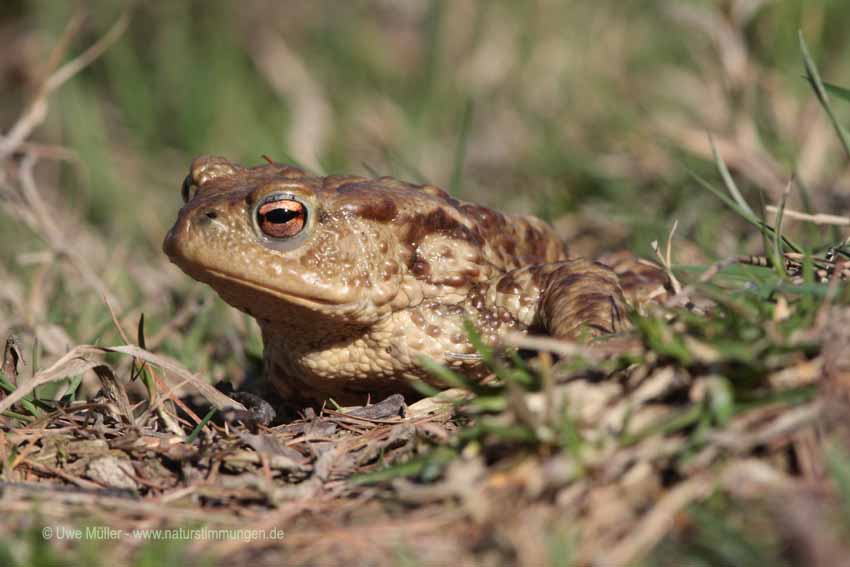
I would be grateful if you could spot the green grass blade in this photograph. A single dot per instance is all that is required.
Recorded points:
(778, 254)
(460, 151)
(195, 432)
(820, 90)
(836, 91)
(752, 219)
(727, 178)
(447, 376)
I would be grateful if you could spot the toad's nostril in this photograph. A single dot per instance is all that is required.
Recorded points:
(206, 216)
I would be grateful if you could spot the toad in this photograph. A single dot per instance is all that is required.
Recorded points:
(353, 280)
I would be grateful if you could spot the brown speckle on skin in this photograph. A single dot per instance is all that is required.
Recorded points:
(538, 276)
(420, 268)
(309, 259)
(342, 184)
(438, 221)
(455, 280)
(440, 194)
(535, 242)
(507, 284)
(528, 299)
(477, 299)
(390, 267)
(482, 215)
(433, 331)
(417, 319)
(381, 209)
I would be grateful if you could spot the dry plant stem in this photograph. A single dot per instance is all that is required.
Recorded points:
(37, 111)
(46, 469)
(54, 237)
(51, 152)
(61, 500)
(667, 259)
(87, 357)
(716, 268)
(76, 361)
(169, 395)
(820, 218)
(155, 403)
(822, 316)
(25, 451)
(781, 426)
(219, 400)
(115, 320)
(657, 522)
(12, 358)
(59, 50)
(115, 391)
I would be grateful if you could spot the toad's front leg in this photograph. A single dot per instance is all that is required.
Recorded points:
(562, 299)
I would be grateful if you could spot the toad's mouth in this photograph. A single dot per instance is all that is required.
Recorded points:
(232, 288)
(276, 292)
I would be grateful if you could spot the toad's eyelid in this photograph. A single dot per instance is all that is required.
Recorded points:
(277, 197)
(274, 197)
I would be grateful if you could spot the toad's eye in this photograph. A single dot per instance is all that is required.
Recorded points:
(188, 189)
(283, 218)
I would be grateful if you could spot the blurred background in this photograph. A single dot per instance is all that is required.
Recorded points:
(592, 115)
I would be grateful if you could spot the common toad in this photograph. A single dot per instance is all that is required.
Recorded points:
(353, 279)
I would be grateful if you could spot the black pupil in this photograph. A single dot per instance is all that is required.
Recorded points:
(281, 216)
